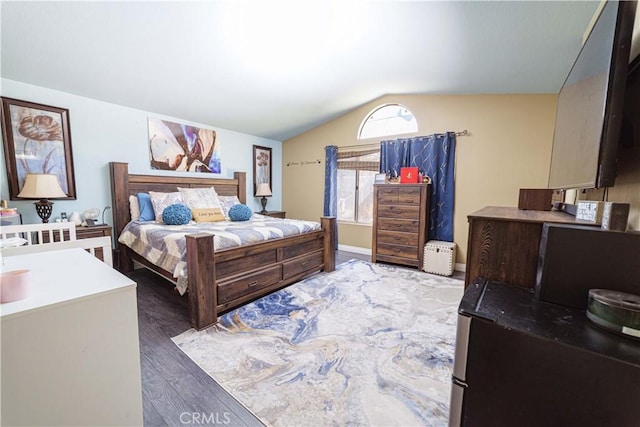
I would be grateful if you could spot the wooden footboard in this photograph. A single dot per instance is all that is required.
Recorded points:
(239, 275)
(220, 281)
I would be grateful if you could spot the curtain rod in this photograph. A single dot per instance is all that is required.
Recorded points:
(377, 144)
(372, 145)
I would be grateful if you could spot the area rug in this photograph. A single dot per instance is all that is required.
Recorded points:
(367, 344)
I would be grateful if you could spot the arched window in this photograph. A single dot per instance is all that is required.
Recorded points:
(389, 119)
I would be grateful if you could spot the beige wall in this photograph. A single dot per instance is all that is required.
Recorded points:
(508, 148)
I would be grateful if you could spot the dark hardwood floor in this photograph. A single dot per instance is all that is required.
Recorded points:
(175, 391)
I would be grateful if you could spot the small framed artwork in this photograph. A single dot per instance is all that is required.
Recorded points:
(36, 140)
(261, 167)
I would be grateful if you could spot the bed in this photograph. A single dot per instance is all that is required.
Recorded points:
(220, 280)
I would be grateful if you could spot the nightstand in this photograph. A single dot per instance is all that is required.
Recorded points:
(95, 231)
(275, 214)
(86, 233)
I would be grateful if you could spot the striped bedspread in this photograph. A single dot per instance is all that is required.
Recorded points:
(165, 245)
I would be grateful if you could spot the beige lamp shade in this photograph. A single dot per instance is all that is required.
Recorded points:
(41, 186)
(263, 190)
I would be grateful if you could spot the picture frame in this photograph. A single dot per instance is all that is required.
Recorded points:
(262, 164)
(180, 147)
(36, 139)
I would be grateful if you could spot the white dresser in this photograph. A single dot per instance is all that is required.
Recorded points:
(70, 351)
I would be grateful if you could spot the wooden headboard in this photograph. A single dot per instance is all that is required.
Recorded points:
(124, 184)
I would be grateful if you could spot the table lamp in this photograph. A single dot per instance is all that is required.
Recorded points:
(263, 191)
(42, 186)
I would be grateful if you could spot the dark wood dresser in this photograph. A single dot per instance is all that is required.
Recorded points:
(504, 243)
(400, 223)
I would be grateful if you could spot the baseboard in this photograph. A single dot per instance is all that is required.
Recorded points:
(366, 251)
(355, 249)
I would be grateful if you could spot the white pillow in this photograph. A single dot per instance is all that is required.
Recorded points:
(160, 201)
(200, 198)
(134, 208)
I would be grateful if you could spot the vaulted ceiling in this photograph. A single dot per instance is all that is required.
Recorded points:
(277, 68)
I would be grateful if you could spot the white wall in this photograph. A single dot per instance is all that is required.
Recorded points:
(103, 132)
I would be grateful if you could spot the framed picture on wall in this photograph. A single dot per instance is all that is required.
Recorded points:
(261, 167)
(183, 148)
(36, 140)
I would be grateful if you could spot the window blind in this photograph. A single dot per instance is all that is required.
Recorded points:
(368, 160)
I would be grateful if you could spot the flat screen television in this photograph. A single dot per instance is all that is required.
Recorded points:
(591, 102)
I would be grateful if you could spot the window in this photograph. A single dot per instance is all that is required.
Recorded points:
(356, 173)
(390, 119)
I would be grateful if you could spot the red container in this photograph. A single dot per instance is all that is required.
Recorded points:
(409, 175)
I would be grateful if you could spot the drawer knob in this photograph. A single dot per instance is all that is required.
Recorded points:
(253, 284)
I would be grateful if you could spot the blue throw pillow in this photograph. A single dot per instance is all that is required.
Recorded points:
(146, 208)
(176, 214)
(240, 213)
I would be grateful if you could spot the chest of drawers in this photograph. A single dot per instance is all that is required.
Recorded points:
(400, 223)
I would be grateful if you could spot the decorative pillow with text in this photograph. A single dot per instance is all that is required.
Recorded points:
(208, 215)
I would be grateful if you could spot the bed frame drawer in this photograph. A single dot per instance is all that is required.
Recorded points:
(314, 244)
(248, 284)
(246, 263)
(296, 266)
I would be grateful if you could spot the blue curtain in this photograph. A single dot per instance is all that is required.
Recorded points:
(393, 156)
(435, 156)
(331, 185)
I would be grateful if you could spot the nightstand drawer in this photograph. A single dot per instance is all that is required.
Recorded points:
(95, 231)
(85, 233)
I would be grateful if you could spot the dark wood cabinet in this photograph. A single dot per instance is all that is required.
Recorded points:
(504, 243)
(400, 223)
